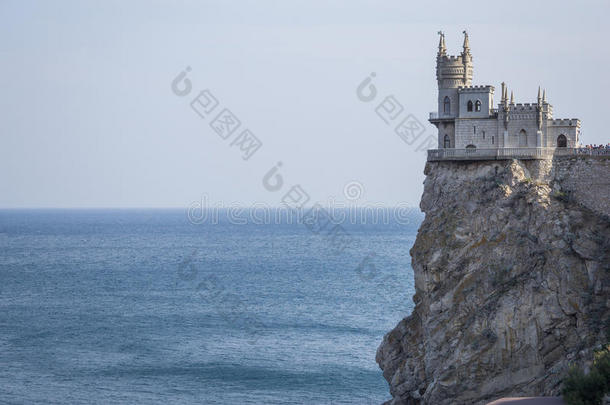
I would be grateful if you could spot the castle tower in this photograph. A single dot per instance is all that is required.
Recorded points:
(451, 73)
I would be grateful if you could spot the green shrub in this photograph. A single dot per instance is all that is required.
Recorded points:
(601, 363)
(561, 196)
(589, 389)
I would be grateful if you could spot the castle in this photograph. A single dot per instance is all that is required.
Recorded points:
(466, 117)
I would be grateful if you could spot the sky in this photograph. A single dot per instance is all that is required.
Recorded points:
(89, 116)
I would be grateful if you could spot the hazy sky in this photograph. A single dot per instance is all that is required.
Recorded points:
(89, 118)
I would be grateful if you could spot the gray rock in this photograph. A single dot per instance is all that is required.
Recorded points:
(512, 285)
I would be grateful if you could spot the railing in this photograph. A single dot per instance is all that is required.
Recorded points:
(441, 116)
(511, 153)
(593, 152)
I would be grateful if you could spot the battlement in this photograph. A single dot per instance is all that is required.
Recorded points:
(528, 107)
(519, 107)
(524, 107)
(451, 58)
(476, 89)
(565, 122)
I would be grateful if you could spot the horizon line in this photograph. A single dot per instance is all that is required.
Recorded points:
(188, 207)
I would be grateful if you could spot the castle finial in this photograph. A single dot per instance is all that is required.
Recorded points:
(466, 42)
(539, 95)
(512, 97)
(544, 96)
(441, 43)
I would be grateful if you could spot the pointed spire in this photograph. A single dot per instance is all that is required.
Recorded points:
(539, 97)
(466, 42)
(512, 97)
(505, 95)
(442, 49)
(544, 96)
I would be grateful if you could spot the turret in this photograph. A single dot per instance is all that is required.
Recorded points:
(466, 44)
(442, 48)
(504, 104)
(452, 72)
(539, 118)
(467, 60)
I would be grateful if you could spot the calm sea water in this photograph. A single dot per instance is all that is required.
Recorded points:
(103, 306)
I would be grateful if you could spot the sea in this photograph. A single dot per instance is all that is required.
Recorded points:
(155, 306)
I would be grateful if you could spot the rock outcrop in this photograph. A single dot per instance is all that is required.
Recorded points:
(512, 279)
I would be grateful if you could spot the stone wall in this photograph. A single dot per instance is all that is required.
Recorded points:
(446, 128)
(486, 131)
(484, 94)
(524, 121)
(586, 179)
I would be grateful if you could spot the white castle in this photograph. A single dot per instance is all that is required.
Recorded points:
(466, 118)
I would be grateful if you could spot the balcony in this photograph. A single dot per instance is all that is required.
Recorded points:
(435, 117)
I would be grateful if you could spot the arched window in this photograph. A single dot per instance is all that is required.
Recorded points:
(522, 138)
(477, 105)
(562, 141)
(469, 105)
(446, 142)
(470, 147)
(447, 105)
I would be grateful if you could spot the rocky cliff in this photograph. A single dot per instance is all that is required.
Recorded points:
(512, 278)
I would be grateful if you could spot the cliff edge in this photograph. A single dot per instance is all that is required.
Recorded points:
(512, 280)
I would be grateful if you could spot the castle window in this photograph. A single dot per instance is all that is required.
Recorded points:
(469, 105)
(492, 139)
(446, 142)
(522, 138)
(483, 134)
(562, 141)
(474, 129)
(447, 105)
(470, 147)
(477, 105)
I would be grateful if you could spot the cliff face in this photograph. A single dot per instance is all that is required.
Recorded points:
(512, 278)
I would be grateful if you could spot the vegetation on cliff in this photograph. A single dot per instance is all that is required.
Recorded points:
(589, 389)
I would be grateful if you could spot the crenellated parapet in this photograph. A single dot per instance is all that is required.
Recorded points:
(565, 122)
(452, 72)
(475, 89)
